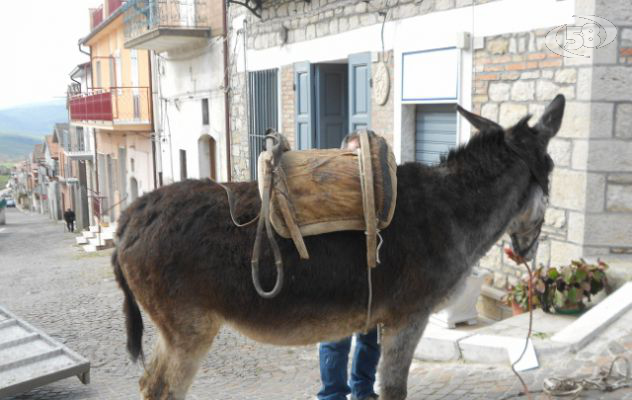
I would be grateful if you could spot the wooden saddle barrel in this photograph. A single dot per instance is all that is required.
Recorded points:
(321, 191)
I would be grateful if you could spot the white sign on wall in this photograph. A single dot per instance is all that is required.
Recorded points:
(430, 75)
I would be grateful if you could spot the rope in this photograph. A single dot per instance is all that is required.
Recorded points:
(231, 205)
(567, 386)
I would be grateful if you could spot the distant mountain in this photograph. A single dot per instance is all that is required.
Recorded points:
(34, 119)
(15, 147)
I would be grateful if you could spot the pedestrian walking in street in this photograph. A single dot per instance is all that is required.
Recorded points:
(334, 358)
(69, 217)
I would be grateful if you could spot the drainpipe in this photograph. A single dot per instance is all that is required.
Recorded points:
(226, 85)
(150, 101)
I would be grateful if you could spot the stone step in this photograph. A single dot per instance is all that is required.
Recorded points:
(81, 240)
(100, 242)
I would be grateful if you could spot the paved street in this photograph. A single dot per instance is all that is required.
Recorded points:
(49, 281)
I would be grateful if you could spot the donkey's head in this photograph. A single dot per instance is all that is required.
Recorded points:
(529, 145)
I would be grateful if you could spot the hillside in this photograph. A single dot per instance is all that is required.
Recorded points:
(33, 119)
(23, 126)
(15, 147)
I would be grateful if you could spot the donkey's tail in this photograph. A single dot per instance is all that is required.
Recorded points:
(133, 319)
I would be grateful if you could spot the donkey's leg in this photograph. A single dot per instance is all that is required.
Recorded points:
(397, 355)
(175, 361)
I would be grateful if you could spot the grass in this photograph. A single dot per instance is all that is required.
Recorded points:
(3, 181)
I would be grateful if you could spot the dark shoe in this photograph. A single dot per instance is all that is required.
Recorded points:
(369, 397)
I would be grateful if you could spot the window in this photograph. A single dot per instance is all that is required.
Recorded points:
(204, 111)
(263, 107)
(183, 164)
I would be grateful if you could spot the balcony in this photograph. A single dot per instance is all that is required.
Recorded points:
(78, 153)
(118, 108)
(163, 25)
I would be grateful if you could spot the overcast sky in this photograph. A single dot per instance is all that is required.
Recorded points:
(38, 42)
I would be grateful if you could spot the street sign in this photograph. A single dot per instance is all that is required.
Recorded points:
(29, 358)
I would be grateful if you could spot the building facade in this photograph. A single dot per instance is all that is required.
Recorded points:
(317, 70)
(117, 111)
(185, 38)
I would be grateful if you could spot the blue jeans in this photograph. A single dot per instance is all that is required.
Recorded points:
(334, 357)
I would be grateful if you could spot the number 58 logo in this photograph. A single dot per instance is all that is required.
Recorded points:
(577, 40)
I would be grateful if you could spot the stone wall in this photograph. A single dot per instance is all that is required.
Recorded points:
(291, 21)
(590, 212)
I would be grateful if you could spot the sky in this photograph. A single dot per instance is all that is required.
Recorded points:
(38, 42)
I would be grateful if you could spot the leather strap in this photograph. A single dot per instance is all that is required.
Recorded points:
(368, 198)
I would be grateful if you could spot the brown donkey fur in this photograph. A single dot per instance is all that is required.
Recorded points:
(180, 257)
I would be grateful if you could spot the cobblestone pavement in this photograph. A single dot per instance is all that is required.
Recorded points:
(49, 281)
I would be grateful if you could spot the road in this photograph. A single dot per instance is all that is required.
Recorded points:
(49, 281)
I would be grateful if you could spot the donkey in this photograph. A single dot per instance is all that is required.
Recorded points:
(180, 257)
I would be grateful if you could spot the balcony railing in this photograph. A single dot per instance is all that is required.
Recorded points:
(142, 16)
(118, 105)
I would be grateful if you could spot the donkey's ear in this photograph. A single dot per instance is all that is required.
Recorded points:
(479, 122)
(551, 120)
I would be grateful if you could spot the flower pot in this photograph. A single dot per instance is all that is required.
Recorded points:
(517, 310)
(575, 309)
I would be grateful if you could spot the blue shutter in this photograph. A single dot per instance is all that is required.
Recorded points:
(303, 76)
(359, 91)
(435, 132)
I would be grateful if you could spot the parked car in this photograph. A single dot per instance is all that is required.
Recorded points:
(10, 203)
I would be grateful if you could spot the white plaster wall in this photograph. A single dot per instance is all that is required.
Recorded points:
(185, 78)
(430, 31)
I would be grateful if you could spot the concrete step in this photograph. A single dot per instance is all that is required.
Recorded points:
(101, 242)
(87, 234)
(81, 240)
(499, 343)
(94, 228)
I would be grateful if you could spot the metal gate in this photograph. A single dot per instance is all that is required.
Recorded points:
(435, 132)
(29, 358)
(263, 111)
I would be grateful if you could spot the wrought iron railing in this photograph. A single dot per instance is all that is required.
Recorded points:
(117, 104)
(142, 16)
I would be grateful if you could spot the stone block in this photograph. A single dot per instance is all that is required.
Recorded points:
(444, 5)
(498, 46)
(510, 113)
(555, 217)
(576, 227)
(546, 90)
(577, 190)
(548, 74)
(523, 91)
(464, 3)
(613, 230)
(623, 127)
(310, 32)
(536, 110)
(610, 155)
(490, 111)
(587, 120)
(560, 152)
(625, 179)
(567, 75)
(619, 198)
(530, 75)
(563, 252)
(499, 91)
(611, 83)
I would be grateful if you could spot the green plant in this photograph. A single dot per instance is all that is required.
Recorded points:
(566, 287)
(570, 285)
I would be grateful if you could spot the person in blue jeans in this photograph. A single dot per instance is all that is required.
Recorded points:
(334, 357)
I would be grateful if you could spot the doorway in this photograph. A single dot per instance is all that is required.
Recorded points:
(207, 156)
(331, 100)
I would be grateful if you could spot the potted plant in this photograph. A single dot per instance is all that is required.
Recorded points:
(518, 296)
(566, 288)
